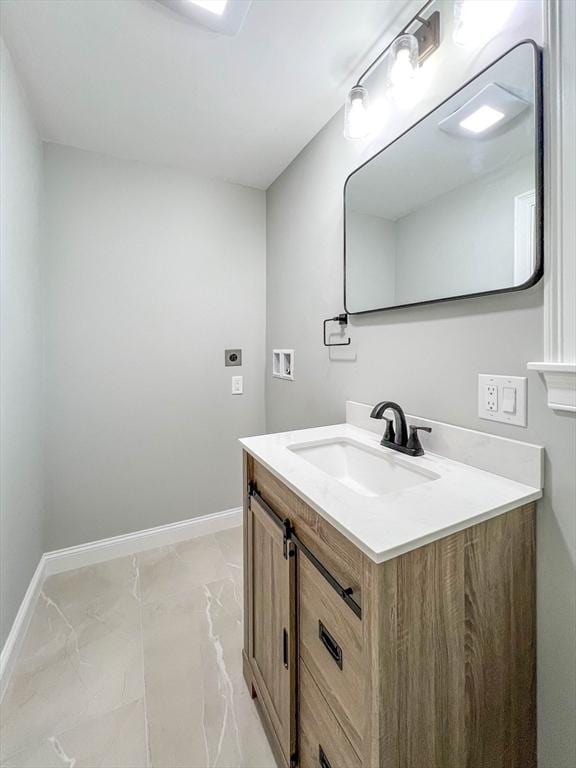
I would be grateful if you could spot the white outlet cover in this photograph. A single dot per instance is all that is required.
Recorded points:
(487, 400)
(237, 385)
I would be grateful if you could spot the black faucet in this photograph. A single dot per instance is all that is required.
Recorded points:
(396, 431)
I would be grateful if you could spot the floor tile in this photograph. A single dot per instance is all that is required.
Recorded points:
(137, 663)
(234, 735)
(116, 739)
(82, 657)
(199, 711)
(173, 681)
(231, 544)
(176, 568)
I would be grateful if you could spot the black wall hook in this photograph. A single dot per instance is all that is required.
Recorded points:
(341, 320)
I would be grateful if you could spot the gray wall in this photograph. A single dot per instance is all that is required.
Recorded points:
(460, 242)
(21, 509)
(372, 260)
(463, 242)
(150, 274)
(427, 359)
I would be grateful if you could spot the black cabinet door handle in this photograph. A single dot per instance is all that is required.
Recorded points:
(322, 759)
(285, 648)
(330, 644)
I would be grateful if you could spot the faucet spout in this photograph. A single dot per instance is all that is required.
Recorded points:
(400, 427)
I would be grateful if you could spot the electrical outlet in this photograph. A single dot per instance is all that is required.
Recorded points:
(237, 385)
(232, 357)
(490, 397)
(502, 398)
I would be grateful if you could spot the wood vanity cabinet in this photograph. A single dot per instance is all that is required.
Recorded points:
(423, 661)
(271, 631)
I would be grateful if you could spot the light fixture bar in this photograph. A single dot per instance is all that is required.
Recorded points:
(427, 34)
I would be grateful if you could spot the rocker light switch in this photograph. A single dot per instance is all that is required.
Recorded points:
(508, 400)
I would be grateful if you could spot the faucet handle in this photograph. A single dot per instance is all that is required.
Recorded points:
(414, 443)
(389, 434)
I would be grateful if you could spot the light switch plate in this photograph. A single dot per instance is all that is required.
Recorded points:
(502, 398)
(237, 385)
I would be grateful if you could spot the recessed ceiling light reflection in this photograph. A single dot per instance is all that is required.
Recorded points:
(214, 6)
(482, 119)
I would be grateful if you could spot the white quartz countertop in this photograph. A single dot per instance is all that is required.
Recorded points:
(388, 525)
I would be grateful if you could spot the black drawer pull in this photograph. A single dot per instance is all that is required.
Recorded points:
(285, 648)
(330, 644)
(322, 759)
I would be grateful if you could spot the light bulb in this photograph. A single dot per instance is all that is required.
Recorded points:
(475, 21)
(357, 122)
(401, 71)
(402, 61)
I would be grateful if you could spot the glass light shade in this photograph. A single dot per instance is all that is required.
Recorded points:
(476, 20)
(402, 61)
(357, 114)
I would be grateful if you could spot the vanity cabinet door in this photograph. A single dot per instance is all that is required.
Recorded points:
(271, 616)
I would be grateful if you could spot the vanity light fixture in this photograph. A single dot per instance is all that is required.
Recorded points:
(477, 20)
(405, 54)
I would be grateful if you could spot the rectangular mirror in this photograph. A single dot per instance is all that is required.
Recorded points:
(453, 207)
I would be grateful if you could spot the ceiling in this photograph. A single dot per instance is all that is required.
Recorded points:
(133, 79)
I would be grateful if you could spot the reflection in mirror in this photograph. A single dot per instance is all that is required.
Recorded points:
(452, 207)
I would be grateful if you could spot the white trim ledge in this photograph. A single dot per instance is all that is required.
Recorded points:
(94, 552)
(560, 380)
(559, 367)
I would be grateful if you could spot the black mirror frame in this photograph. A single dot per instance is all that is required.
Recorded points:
(539, 183)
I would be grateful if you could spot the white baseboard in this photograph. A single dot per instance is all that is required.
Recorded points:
(98, 552)
(15, 639)
(61, 560)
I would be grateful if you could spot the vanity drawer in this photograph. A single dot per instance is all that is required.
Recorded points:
(332, 647)
(323, 743)
(339, 555)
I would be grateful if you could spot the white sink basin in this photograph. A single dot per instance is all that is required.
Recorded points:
(367, 471)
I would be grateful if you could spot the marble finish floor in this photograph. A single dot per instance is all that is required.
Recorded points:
(136, 663)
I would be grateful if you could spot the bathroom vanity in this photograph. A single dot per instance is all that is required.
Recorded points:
(390, 601)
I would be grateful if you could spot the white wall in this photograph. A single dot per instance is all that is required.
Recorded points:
(21, 512)
(150, 274)
(425, 358)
